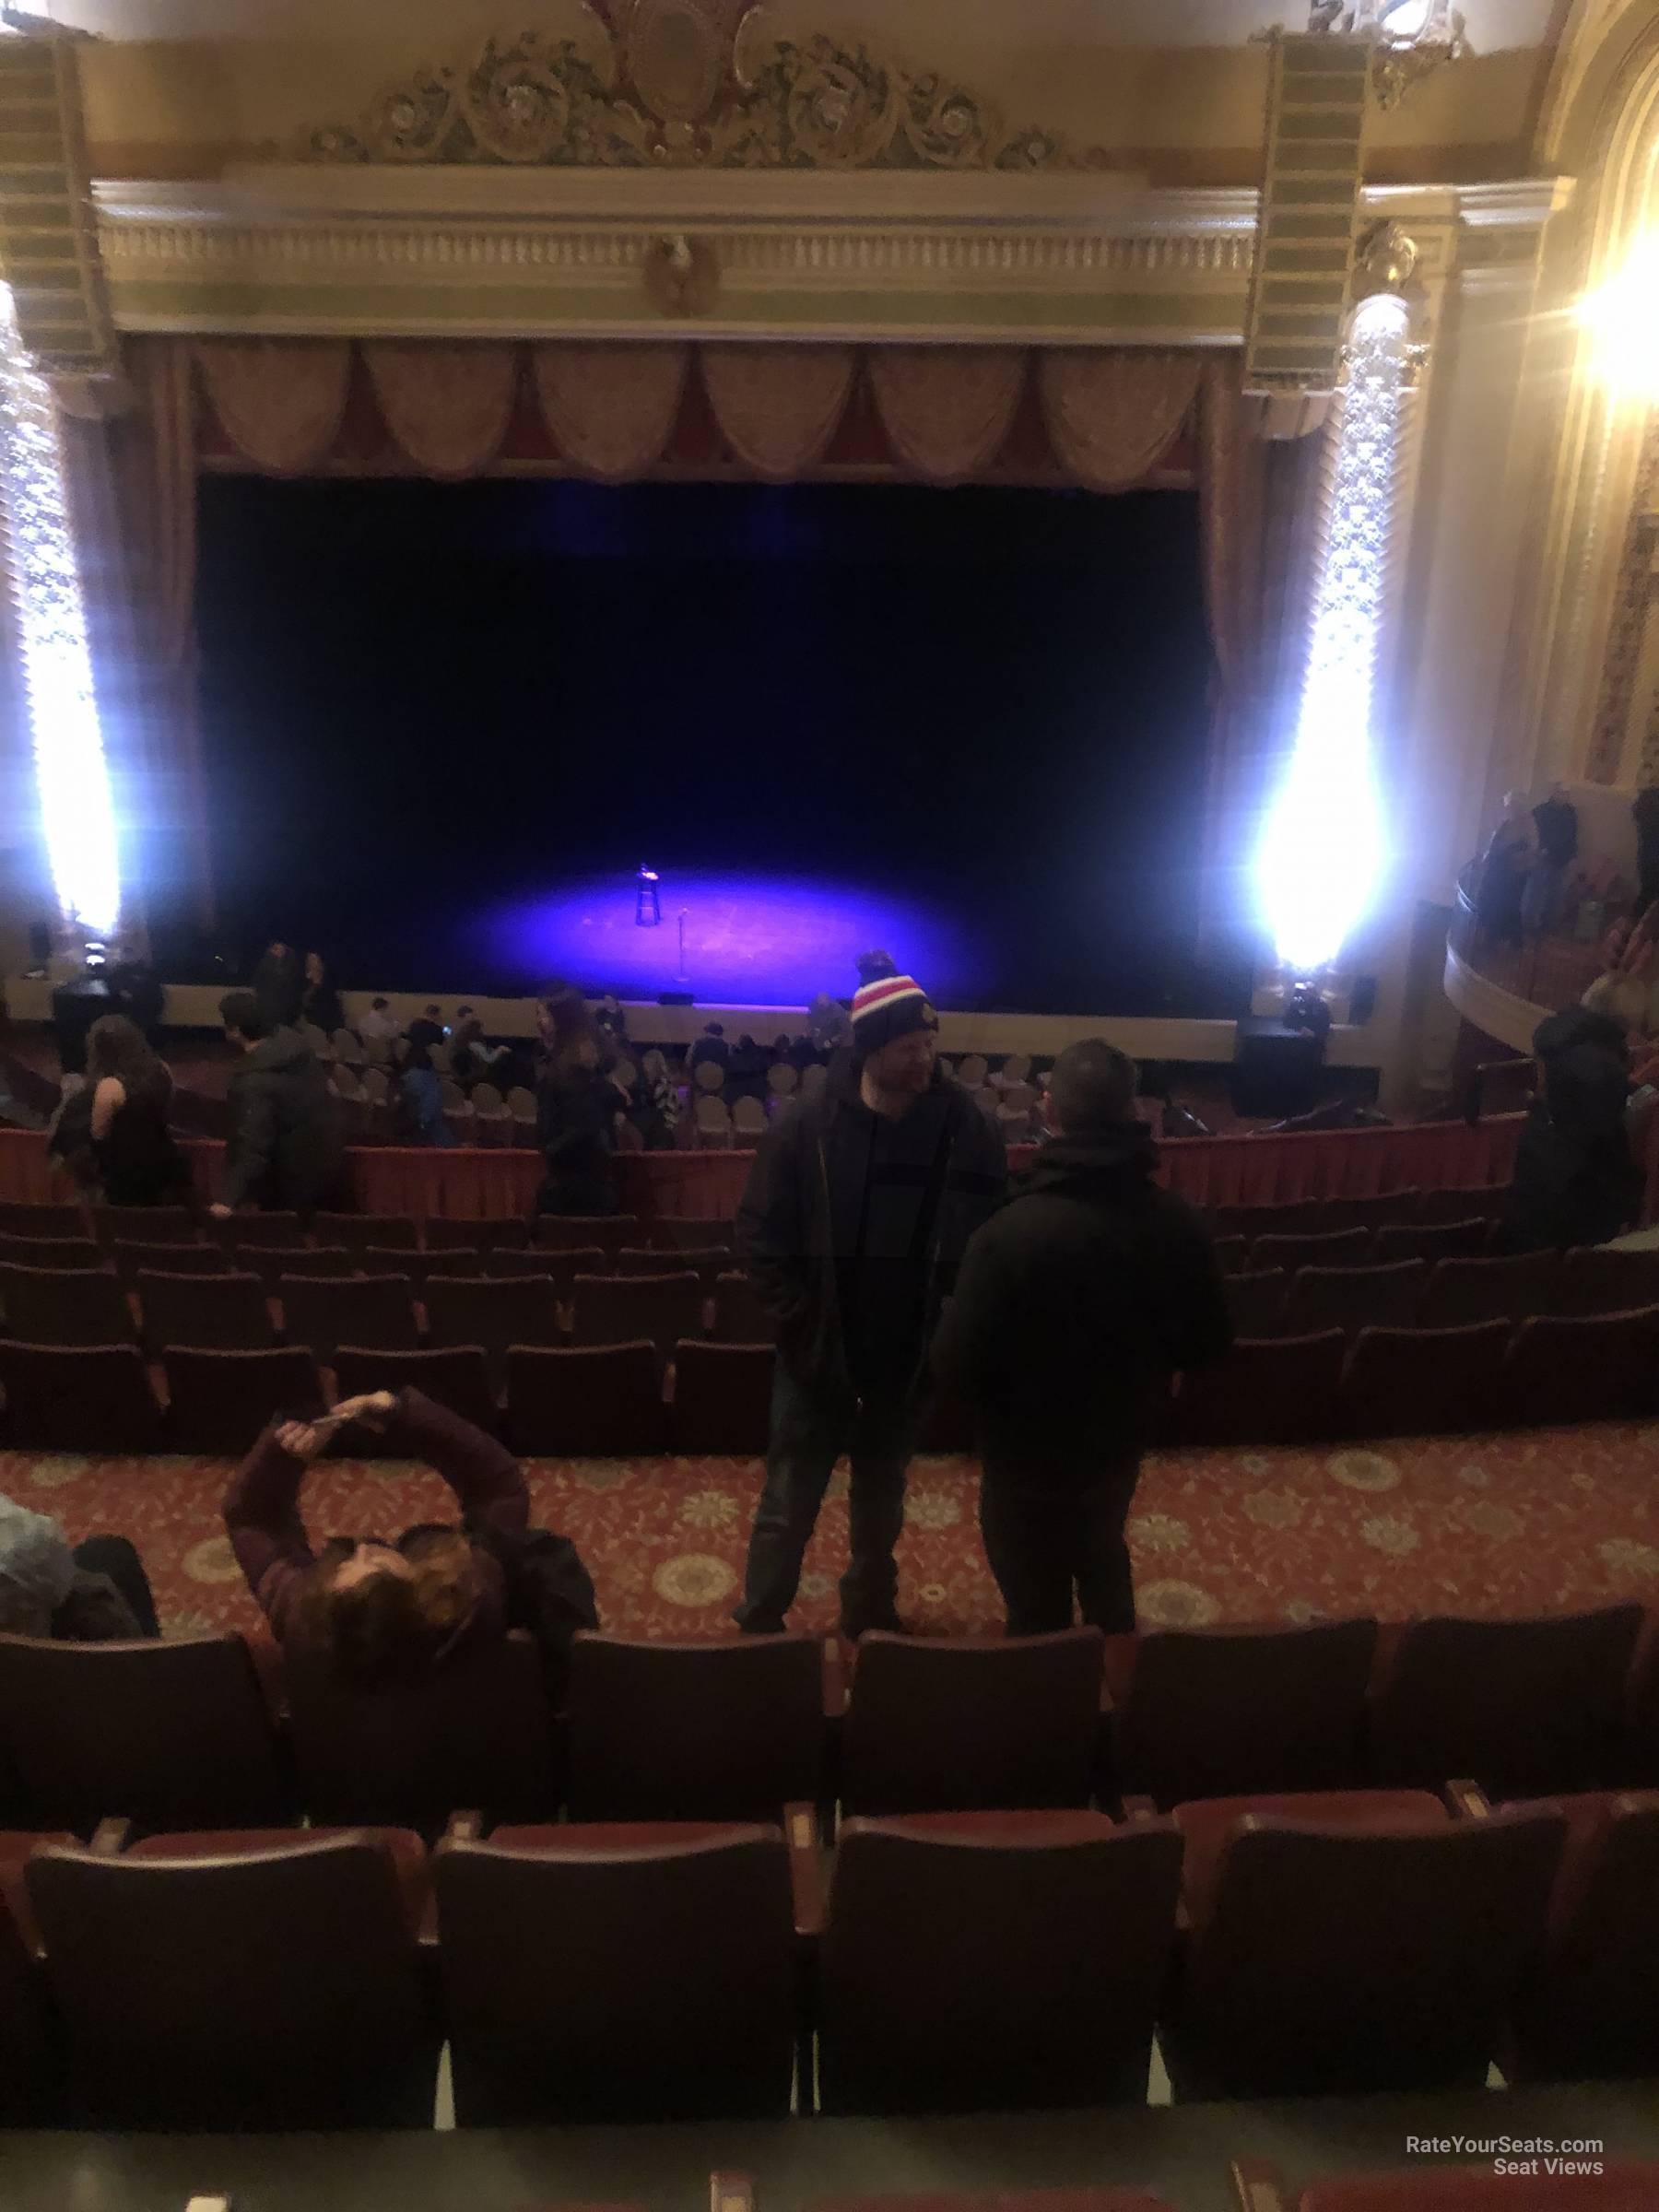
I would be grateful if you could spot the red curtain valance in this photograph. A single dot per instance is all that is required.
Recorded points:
(479, 1184)
(1106, 418)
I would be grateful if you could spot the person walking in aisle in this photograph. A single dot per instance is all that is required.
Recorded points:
(1073, 1308)
(858, 1207)
(284, 1149)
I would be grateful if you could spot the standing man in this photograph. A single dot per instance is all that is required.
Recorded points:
(860, 1202)
(1073, 1308)
(283, 1151)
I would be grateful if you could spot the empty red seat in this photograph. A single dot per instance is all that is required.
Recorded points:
(272, 1262)
(1340, 1248)
(1592, 2009)
(251, 1990)
(371, 1313)
(20, 1221)
(148, 1224)
(618, 1309)
(1462, 1204)
(1523, 1706)
(473, 1733)
(569, 1232)
(1332, 1959)
(590, 1978)
(739, 1317)
(1294, 1218)
(1212, 1712)
(50, 1305)
(173, 1734)
(590, 1402)
(1510, 1287)
(1354, 1298)
(1374, 1211)
(224, 1313)
(491, 1236)
(458, 1377)
(169, 1259)
(33, 2085)
(993, 1962)
(1256, 1301)
(951, 1724)
(722, 1398)
(77, 1398)
(1433, 1241)
(74, 1252)
(495, 1313)
(1564, 1369)
(244, 1229)
(730, 1730)
(1425, 1382)
(219, 1402)
(1595, 1279)
(386, 1233)
(1280, 1392)
(1207, 1825)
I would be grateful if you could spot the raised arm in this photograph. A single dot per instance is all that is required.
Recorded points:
(487, 1479)
(252, 1142)
(262, 1519)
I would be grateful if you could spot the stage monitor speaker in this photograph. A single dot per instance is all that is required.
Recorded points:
(1275, 1073)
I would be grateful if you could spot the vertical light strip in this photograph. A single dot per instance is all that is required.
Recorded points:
(1323, 855)
(77, 813)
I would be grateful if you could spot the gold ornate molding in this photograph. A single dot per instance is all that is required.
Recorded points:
(671, 91)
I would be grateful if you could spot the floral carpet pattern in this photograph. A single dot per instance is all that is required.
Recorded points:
(1517, 1523)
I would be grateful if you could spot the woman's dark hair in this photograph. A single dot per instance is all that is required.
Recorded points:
(387, 1628)
(576, 1043)
(425, 1037)
(117, 1047)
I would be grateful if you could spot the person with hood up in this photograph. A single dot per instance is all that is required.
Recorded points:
(859, 1204)
(284, 1147)
(1073, 1310)
(1576, 1180)
(94, 1592)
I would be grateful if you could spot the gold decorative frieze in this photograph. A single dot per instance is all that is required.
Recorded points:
(670, 91)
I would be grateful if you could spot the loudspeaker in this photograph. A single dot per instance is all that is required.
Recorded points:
(1275, 1074)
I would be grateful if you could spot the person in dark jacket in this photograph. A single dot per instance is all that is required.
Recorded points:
(577, 1103)
(1575, 1180)
(284, 1152)
(421, 1088)
(373, 1613)
(320, 1001)
(135, 1158)
(1073, 1310)
(279, 984)
(858, 1207)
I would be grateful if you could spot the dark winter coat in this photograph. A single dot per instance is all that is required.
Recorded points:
(279, 986)
(285, 1149)
(1074, 1308)
(852, 1225)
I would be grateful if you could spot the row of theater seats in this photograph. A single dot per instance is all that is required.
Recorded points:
(1454, 1291)
(182, 1734)
(549, 1402)
(947, 1963)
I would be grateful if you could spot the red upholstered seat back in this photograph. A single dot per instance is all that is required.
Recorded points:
(722, 1398)
(1424, 1381)
(1594, 2009)
(585, 1401)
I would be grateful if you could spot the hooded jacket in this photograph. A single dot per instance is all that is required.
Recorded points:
(285, 1147)
(44, 1593)
(843, 1204)
(1075, 1306)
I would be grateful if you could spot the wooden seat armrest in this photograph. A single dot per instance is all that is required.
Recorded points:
(805, 1868)
(1466, 1801)
(464, 1828)
(111, 1838)
(1258, 2186)
(731, 2193)
(1139, 1808)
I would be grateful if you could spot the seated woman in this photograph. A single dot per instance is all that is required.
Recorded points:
(133, 1158)
(94, 1592)
(320, 1003)
(376, 1612)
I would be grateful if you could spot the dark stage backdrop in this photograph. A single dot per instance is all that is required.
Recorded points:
(444, 725)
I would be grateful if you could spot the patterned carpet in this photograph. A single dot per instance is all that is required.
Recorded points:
(1508, 1524)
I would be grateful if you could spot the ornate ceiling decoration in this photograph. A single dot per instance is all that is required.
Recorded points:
(676, 89)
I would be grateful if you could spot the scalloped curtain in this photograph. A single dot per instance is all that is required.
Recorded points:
(447, 406)
(281, 400)
(947, 409)
(778, 406)
(1110, 412)
(610, 406)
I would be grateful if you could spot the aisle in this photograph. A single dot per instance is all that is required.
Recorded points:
(1483, 1524)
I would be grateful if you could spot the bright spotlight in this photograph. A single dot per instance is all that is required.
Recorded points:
(1623, 318)
(1323, 855)
(1407, 20)
(77, 813)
